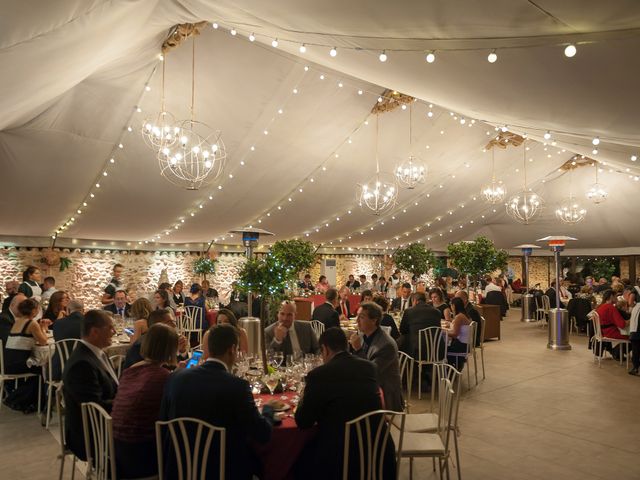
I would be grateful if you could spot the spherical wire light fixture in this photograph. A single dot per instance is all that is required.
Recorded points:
(198, 155)
(569, 210)
(378, 194)
(412, 171)
(524, 205)
(159, 131)
(495, 191)
(597, 192)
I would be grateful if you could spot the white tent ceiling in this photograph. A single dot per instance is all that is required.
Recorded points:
(74, 73)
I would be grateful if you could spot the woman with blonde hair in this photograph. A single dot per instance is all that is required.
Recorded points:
(140, 311)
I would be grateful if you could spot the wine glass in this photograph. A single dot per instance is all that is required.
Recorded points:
(271, 381)
(278, 358)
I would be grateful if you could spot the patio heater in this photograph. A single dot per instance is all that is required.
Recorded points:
(251, 324)
(528, 303)
(558, 317)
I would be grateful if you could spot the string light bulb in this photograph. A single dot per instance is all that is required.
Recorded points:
(431, 57)
(303, 48)
(492, 57)
(233, 32)
(547, 135)
(333, 52)
(570, 50)
(596, 141)
(252, 37)
(383, 56)
(274, 43)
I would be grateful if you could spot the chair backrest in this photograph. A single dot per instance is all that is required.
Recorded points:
(595, 319)
(371, 432)
(483, 326)
(62, 350)
(406, 374)
(446, 371)
(98, 442)
(117, 361)
(317, 327)
(546, 305)
(60, 411)
(434, 340)
(189, 439)
(446, 409)
(191, 320)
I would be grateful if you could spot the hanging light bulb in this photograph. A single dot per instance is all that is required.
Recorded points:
(570, 50)
(597, 193)
(492, 57)
(303, 48)
(596, 141)
(380, 193)
(431, 57)
(547, 135)
(383, 56)
(252, 37)
(495, 191)
(274, 43)
(524, 205)
(333, 52)
(411, 172)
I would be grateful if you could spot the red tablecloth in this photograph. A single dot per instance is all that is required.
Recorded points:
(279, 455)
(212, 317)
(354, 302)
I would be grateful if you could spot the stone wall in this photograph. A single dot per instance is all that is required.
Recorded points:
(540, 271)
(352, 265)
(624, 267)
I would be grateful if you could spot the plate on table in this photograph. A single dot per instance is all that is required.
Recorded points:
(280, 406)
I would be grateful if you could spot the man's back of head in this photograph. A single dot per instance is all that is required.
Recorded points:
(76, 305)
(332, 341)
(419, 298)
(331, 295)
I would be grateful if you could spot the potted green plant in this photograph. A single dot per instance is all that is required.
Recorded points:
(477, 257)
(204, 266)
(414, 258)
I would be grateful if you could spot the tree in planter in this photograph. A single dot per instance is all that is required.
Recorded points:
(414, 258)
(270, 274)
(477, 257)
(203, 266)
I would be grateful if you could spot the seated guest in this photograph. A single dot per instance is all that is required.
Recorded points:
(288, 335)
(162, 301)
(516, 286)
(140, 311)
(610, 319)
(119, 305)
(364, 283)
(382, 350)
(344, 307)
(30, 285)
(352, 283)
(178, 294)
(327, 312)
(210, 392)
(414, 319)
(374, 283)
(601, 286)
(306, 284)
(24, 335)
(342, 389)
(58, 306)
(157, 316)
(207, 291)
(226, 317)
(8, 317)
(11, 288)
(136, 407)
(437, 300)
(387, 320)
(580, 306)
(472, 314)
(88, 376)
(458, 332)
(196, 299)
(366, 296)
(48, 288)
(404, 301)
(383, 286)
(323, 285)
(491, 286)
(67, 328)
(551, 293)
(166, 286)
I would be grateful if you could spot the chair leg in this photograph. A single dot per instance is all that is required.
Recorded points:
(433, 384)
(482, 358)
(455, 443)
(73, 467)
(1, 392)
(49, 390)
(39, 395)
(475, 366)
(410, 468)
(420, 381)
(433, 460)
(62, 458)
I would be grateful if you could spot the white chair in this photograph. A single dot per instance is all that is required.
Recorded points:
(483, 324)
(189, 440)
(62, 350)
(406, 375)
(4, 377)
(428, 422)
(98, 442)
(317, 327)
(190, 324)
(372, 432)
(434, 340)
(468, 333)
(573, 325)
(64, 451)
(432, 445)
(117, 361)
(597, 341)
(542, 309)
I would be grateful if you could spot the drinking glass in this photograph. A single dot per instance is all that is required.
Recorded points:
(271, 381)
(276, 359)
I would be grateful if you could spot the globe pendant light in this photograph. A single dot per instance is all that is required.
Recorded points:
(198, 155)
(159, 131)
(569, 210)
(413, 171)
(597, 193)
(378, 194)
(495, 191)
(524, 205)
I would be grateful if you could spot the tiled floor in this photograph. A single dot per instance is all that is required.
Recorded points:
(539, 414)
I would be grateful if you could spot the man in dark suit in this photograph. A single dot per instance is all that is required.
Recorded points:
(382, 350)
(119, 305)
(327, 313)
(342, 389)
(69, 327)
(8, 317)
(213, 394)
(414, 319)
(403, 302)
(288, 335)
(352, 283)
(306, 284)
(88, 376)
(472, 313)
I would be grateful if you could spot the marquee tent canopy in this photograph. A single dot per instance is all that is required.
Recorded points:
(298, 127)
